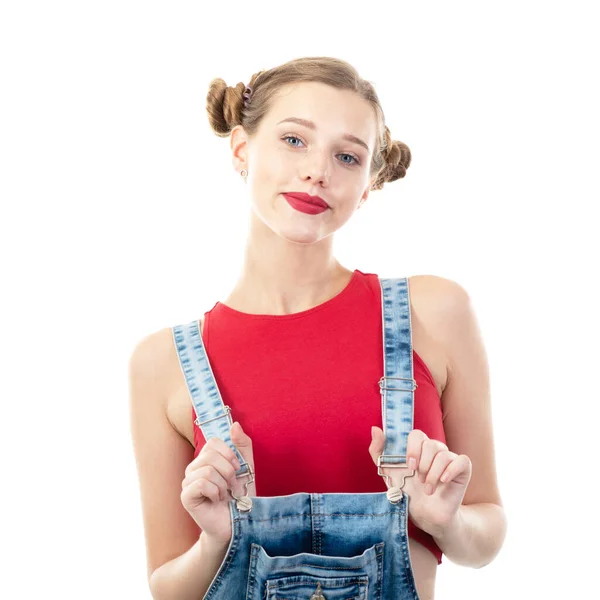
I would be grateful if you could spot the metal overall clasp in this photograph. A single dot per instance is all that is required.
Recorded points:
(394, 493)
(244, 503)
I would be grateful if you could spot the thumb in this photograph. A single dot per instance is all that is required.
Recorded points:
(377, 434)
(239, 436)
(377, 442)
(243, 443)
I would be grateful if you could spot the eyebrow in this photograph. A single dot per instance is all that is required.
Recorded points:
(311, 125)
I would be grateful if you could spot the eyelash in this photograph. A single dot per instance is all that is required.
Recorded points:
(356, 161)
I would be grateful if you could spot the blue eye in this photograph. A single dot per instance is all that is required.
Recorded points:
(287, 137)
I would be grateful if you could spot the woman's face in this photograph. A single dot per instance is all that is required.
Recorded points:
(286, 157)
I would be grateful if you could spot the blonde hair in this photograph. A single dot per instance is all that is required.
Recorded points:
(225, 107)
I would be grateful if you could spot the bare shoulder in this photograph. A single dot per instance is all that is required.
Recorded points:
(441, 295)
(156, 357)
(439, 300)
(151, 358)
(154, 363)
(435, 301)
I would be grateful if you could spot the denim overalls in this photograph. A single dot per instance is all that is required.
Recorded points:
(311, 546)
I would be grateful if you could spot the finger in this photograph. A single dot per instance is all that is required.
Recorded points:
(216, 477)
(201, 487)
(238, 432)
(377, 443)
(243, 444)
(440, 463)
(217, 469)
(225, 449)
(212, 447)
(241, 441)
(209, 473)
(413, 448)
(461, 464)
(416, 438)
(429, 450)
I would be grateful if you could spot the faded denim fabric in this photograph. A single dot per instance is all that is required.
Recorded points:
(311, 546)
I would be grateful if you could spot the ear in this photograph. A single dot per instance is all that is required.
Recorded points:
(365, 194)
(238, 142)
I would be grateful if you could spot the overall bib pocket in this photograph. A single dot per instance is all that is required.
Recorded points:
(308, 576)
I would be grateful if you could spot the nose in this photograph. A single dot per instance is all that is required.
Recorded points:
(316, 166)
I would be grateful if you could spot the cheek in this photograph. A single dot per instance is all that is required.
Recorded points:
(274, 170)
(280, 156)
(343, 214)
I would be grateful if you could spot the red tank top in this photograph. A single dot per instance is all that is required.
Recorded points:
(304, 387)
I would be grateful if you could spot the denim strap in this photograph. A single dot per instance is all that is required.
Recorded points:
(398, 384)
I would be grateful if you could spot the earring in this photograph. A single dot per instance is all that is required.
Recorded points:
(244, 173)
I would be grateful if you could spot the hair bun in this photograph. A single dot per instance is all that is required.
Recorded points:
(224, 105)
(398, 159)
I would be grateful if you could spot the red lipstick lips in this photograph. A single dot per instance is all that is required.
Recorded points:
(306, 203)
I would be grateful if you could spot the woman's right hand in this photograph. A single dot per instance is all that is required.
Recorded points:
(208, 479)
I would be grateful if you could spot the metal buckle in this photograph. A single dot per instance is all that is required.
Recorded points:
(227, 414)
(250, 473)
(244, 503)
(382, 383)
(403, 465)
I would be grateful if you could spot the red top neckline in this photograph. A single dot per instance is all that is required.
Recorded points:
(303, 313)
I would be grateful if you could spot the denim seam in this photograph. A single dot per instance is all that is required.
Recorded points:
(227, 560)
(406, 552)
(348, 580)
(330, 568)
(381, 559)
(312, 515)
(313, 566)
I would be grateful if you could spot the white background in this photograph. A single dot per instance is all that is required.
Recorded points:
(122, 214)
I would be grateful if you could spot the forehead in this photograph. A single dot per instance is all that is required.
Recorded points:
(332, 110)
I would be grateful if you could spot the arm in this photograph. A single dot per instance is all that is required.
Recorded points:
(181, 561)
(478, 531)
(476, 536)
(189, 576)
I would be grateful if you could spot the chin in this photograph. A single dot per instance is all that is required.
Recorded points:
(300, 236)
(299, 239)
(290, 230)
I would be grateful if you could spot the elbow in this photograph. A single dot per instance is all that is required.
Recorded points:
(154, 585)
(496, 541)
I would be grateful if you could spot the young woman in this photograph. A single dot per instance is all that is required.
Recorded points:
(270, 482)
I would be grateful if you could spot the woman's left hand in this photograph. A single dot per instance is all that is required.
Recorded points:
(433, 512)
